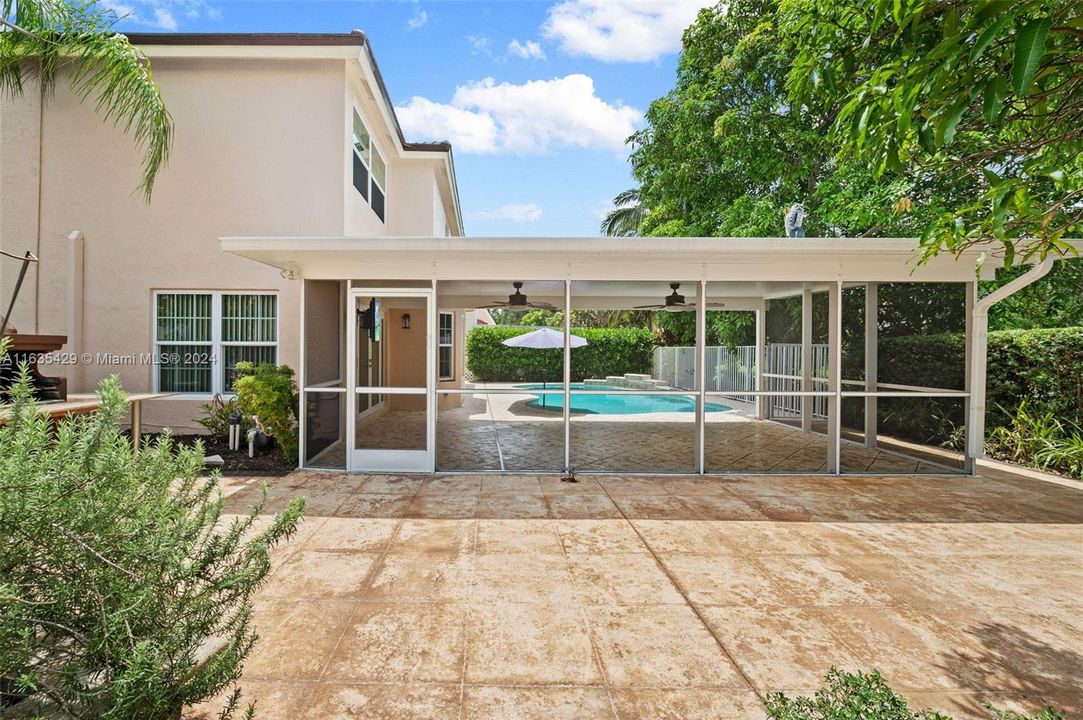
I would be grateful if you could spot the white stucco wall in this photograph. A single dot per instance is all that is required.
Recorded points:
(257, 144)
(262, 146)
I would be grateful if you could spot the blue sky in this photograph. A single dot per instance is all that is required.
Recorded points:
(537, 97)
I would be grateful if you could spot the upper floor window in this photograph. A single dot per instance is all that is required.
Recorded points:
(369, 168)
(199, 337)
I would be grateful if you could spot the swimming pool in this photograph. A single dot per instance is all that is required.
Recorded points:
(619, 402)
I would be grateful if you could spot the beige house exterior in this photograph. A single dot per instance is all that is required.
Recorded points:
(264, 144)
(295, 224)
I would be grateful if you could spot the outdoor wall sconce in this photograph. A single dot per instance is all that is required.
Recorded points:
(406, 321)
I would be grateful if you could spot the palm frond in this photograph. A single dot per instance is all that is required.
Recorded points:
(625, 217)
(102, 64)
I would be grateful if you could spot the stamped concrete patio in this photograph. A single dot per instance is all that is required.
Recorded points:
(522, 597)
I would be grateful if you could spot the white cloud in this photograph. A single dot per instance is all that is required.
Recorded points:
(420, 19)
(621, 30)
(160, 14)
(164, 19)
(514, 212)
(491, 117)
(602, 208)
(471, 132)
(528, 50)
(480, 44)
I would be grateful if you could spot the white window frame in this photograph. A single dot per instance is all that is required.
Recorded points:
(367, 162)
(216, 346)
(450, 345)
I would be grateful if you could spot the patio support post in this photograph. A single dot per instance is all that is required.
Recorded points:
(968, 354)
(762, 404)
(302, 411)
(432, 335)
(701, 375)
(806, 360)
(567, 376)
(978, 343)
(872, 303)
(834, 375)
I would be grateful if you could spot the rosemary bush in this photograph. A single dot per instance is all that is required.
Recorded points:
(125, 593)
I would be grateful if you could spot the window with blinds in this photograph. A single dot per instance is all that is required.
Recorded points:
(201, 336)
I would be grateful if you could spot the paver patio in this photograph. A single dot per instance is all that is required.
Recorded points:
(675, 597)
(501, 432)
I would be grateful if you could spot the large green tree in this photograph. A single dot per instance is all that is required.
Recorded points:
(48, 40)
(986, 95)
(725, 152)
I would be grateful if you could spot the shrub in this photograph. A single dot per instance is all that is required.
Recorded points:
(1043, 367)
(861, 696)
(216, 415)
(1039, 439)
(267, 394)
(607, 352)
(124, 592)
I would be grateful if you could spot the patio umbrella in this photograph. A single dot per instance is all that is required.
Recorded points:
(544, 339)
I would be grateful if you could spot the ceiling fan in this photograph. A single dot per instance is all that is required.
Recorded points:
(518, 301)
(674, 302)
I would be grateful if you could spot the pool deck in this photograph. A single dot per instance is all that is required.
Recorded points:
(498, 432)
(498, 597)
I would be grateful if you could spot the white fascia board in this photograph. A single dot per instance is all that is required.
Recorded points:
(266, 52)
(594, 258)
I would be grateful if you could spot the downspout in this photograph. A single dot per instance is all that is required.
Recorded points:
(979, 346)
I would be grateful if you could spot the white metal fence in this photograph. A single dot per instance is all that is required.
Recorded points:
(733, 370)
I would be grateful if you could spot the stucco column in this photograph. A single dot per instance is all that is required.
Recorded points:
(834, 375)
(872, 302)
(75, 310)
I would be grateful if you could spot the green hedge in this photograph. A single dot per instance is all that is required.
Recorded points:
(607, 352)
(1043, 367)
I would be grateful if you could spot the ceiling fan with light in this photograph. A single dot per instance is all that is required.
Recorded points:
(517, 301)
(674, 302)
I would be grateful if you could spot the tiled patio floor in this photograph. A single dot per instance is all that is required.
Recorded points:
(522, 597)
(500, 432)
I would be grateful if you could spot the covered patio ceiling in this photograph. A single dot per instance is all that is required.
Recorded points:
(750, 267)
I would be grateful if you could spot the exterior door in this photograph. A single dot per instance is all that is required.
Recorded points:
(391, 422)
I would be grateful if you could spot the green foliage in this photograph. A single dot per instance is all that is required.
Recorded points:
(610, 351)
(1039, 439)
(1043, 369)
(118, 572)
(922, 87)
(865, 696)
(625, 217)
(99, 64)
(216, 416)
(725, 152)
(267, 394)
(1054, 301)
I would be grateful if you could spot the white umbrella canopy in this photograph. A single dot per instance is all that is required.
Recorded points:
(544, 339)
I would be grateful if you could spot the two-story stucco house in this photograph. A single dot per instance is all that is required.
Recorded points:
(296, 224)
(275, 134)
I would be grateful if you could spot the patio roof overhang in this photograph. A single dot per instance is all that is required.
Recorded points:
(779, 266)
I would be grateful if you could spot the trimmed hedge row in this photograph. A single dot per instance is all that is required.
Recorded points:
(1043, 367)
(607, 352)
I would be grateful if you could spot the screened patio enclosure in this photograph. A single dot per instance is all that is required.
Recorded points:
(833, 375)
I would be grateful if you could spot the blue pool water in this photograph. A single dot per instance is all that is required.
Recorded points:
(619, 402)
